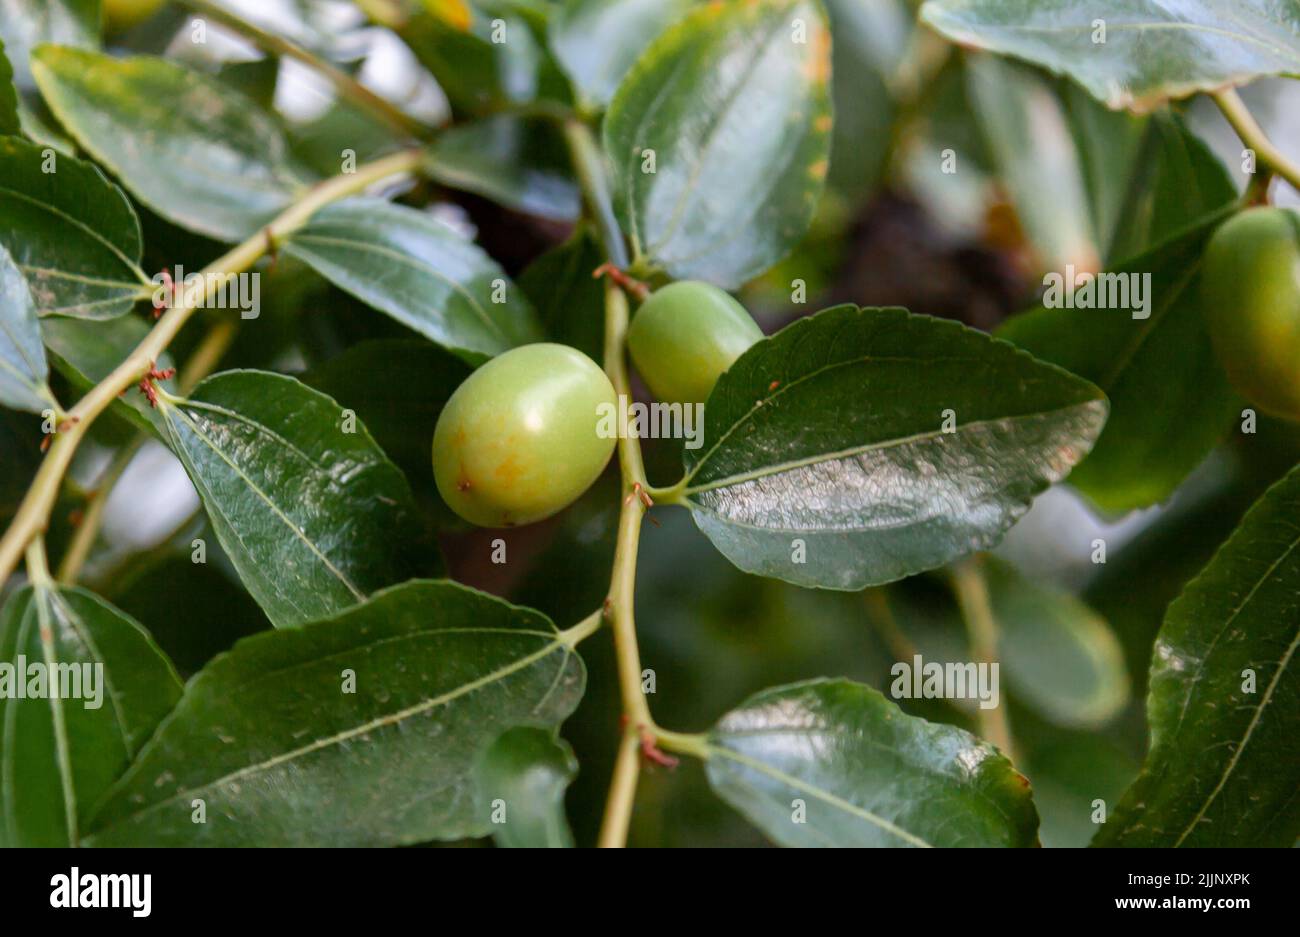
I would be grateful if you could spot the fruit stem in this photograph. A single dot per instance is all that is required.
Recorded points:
(348, 87)
(589, 164)
(33, 514)
(972, 594)
(637, 721)
(1239, 116)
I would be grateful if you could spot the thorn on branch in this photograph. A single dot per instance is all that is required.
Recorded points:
(637, 288)
(651, 752)
(148, 381)
(170, 286)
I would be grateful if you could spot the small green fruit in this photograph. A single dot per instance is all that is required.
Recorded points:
(685, 335)
(518, 440)
(1251, 284)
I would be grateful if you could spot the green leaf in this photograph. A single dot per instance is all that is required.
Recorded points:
(1224, 704)
(25, 24)
(736, 110)
(1149, 368)
(1153, 51)
(71, 232)
(194, 150)
(9, 122)
(525, 773)
(870, 42)
(480, 75)
(570, 301)
(282, 753)
(398, 388)
(1175, 181)
(1059, 655)
(597, 41)
(58, 756)
(312, 513)
(23, 369)
(834, 763)
(411, 266)
(86, 352)
(521, 164)
(826, 462)
(1026, 133)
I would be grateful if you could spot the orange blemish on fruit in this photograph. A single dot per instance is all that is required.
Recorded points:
(818, 67)
(823, 123)
(508, 470)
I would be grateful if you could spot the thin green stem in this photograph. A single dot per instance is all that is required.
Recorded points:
(33, 514)
(684, 743)
(622, 586)
(92, 516)
(1248, 129)
(622, 793)
(972, 595)
(589, 164)
(347, 87)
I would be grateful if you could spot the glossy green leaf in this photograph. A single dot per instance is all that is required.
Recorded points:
(71, 232)
(1058, 655)
(825, 461)
(522, 778)
(25, 24)
(9, 122)
(402, 409)
(734, 102)
(86, 352)
(1224, 704)
(282, 752)
(834, 763)
(570, 302)
(1150, 368)
(520, 164)
(194, 150)
(411, 266)
(1152, 51)
(60, 752)
(312, 513)
(23, 368)
(597, 41)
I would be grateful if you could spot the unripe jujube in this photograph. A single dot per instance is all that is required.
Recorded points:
(1251, 288)
(518, 440)
(685, 335)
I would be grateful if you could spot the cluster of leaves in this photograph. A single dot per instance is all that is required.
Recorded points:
(373, 699)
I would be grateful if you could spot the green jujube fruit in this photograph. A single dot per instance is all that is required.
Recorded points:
(1251, 281)
(518, 440)
(685, 335)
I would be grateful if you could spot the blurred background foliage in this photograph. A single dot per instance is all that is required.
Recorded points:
(1046, 176)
